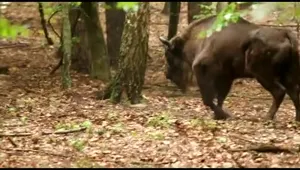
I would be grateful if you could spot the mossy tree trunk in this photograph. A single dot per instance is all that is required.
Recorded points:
(89, 52)
(99, 58)
(67, 46)
(133, 57)
(173, 19)
(114, 27)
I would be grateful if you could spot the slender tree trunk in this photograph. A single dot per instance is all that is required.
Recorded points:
(194, 8)
(100, 63)
(133, 57)
(173, 19)
(114, 27)
(67, 46)
(166, 9)
(43, 23)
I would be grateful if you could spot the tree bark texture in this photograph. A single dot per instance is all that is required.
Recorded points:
(67, 46)
(166, 9)
(173, 19)
(114, 27)
(133, 57)
(81, 56)
(100, 63)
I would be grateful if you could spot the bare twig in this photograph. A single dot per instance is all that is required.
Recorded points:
(43, 23)
(12, 142)
(65, 131)
(272, 25)
(51, 26)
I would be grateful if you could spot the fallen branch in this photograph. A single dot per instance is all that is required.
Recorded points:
(15, 135)
(45, 133)
(263, 147)
(12, 125)
(65, 131)
(33, 150)
(267, 148)
(13, 46)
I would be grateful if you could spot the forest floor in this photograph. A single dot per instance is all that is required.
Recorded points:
(38, 118)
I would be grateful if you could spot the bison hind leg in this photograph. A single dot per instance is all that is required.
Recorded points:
(293, 90)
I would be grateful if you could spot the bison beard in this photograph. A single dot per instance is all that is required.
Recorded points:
(272, 58)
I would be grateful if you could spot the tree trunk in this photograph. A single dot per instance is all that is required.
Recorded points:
(81, 56)
(220, 6)
(194, 9)
(67, 46)
(166, 9)
(173, 19)
(99, 59)
(133, 57)
(43, 23)
(114, 27)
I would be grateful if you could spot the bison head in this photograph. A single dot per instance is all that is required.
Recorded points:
(265, 46)
(176, 66)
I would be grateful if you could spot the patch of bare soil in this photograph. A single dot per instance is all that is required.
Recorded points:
(168, 130)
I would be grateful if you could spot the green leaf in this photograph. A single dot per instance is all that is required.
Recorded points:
(127, 6)
(87, 124)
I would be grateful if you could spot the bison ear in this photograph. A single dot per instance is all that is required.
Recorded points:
(165, 42)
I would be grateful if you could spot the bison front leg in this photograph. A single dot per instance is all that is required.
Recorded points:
(223, 86)
(277, 91)
(206, 76)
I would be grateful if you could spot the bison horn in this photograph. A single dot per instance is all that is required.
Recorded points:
(165, 42)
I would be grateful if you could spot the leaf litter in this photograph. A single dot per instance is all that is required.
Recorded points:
(72, 129)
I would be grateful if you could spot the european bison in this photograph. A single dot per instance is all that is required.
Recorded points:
(240, 50)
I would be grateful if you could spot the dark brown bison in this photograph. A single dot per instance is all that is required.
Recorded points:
(272, 57)
(240, 50)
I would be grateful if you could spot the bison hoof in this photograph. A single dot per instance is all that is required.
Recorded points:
(223, 116)
(269, 117)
